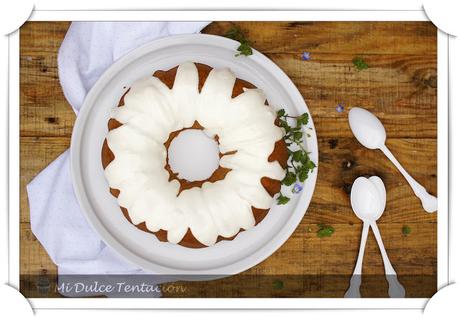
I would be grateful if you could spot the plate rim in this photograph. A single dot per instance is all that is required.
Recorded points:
(243, 264)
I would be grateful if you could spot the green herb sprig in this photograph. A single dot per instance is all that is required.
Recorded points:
(360, 64)
(236, 34)
(406, 230)
(299, 163)
(324, 230)
(278, 284)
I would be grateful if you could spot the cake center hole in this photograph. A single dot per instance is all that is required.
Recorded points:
(193, 155)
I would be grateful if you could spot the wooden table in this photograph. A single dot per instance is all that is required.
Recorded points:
(399, 87)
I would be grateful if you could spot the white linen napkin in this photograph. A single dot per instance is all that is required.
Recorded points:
(88, 49)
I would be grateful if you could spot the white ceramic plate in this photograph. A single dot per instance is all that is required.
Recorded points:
(101, 209)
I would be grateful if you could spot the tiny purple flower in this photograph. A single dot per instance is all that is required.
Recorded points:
(340, 107)
(297, 188)
(306, 56)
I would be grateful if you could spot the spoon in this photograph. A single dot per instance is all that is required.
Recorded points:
(362, 200)
(370, 132)
(368, 199)
(395, 289)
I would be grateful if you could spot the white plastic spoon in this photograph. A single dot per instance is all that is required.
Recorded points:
(362, 201)
(370, 132)
(368, 199)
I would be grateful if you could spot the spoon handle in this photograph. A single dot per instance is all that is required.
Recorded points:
(355, 280)
(395, 289)
(429, 202)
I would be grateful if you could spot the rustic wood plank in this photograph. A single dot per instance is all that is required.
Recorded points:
(344, 37)
(400, 89)
(44, 110)
(43, 37)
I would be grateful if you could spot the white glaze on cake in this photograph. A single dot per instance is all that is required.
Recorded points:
(151, 111)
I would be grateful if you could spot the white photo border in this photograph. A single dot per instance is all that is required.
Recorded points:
(232, 303)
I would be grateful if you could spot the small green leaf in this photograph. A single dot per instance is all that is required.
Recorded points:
(310, 165)
(289, 179)
(406, 230)
(281, 112)
(297, 155)
(278, 284)
(324, 230)
(244, 49)
(297, 135)
(304, 159)
(282, 199)
(303, 175)
(360, 64)
(302, 119)
(235, 33)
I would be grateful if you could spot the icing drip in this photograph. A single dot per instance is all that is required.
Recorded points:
(151, 111)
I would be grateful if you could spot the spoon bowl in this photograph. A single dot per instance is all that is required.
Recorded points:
(367, 128)
(365, 199)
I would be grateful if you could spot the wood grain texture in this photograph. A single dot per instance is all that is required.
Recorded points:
(399, 87)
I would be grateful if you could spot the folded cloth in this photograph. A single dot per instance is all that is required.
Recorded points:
(88, 49)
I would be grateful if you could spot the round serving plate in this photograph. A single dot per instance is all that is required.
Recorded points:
(100, 207)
